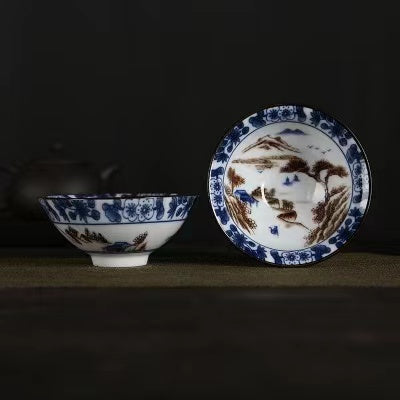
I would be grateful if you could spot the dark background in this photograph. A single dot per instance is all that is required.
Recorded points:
(153, 85)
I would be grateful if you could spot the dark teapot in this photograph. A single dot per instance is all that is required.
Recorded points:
(54, 176)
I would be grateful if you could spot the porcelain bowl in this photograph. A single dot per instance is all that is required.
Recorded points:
(289, 185)
(118, 230)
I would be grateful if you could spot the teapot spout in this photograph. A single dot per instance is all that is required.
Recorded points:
(107, 173)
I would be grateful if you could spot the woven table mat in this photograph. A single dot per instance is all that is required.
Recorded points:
(342, 270)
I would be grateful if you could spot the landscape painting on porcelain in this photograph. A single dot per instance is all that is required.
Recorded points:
(289, 185)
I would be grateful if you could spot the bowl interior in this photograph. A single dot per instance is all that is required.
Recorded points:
(287, 180)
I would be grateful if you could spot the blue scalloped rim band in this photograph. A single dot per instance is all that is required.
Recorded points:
(92, 210)
(360, 175)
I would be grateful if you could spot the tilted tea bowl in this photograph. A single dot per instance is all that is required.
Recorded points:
(118, 230)
(289, 185)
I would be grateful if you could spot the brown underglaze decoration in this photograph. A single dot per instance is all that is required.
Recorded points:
(290, 218)
(289, 215)
(238, 210)
(281, 205)
(329, 215)
(256, 193)
(273, 202)
(262, 163)
(86, 237)
(268, 142)
(139, 243)
(300, 165)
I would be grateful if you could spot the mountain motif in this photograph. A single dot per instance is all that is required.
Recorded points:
(139, 244)
(262, 163)
(239, 202)
(268, 142)
(86, 237)
(289, 131)
(329, 215)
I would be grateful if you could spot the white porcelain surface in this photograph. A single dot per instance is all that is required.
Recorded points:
(118, 230)
(120, 260)
(305, 193)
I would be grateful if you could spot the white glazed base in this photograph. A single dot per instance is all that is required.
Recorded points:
(120, 260)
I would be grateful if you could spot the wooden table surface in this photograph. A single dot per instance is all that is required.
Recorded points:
(200, 342)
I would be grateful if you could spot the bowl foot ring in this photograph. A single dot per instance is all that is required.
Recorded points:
(120, 260)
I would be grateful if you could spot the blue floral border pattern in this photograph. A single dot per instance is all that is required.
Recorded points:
(90, 210)
(340, 135)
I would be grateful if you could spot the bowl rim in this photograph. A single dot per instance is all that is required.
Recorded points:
(112, 196)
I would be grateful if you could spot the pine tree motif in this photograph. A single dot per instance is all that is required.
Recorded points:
(139, 239)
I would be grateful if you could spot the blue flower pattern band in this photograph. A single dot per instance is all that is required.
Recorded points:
(67, 209)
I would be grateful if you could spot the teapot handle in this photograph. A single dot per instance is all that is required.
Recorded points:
(107, 173)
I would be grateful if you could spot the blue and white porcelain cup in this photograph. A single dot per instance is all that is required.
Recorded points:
(118, 230)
